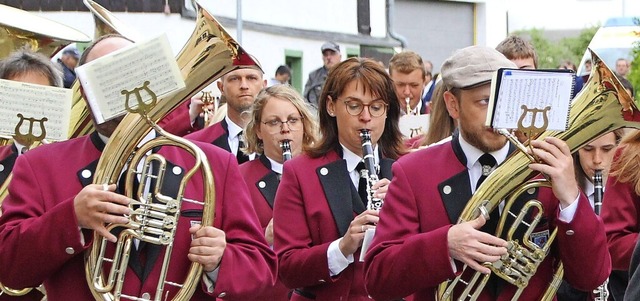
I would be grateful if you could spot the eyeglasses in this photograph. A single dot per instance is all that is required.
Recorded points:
(377, 108)
(294, 123)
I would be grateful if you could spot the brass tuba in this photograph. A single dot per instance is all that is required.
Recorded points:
(208, 54)
(105, 23)
(602, 106)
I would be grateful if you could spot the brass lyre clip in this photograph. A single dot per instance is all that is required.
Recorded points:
(142, 107)
(29, 138)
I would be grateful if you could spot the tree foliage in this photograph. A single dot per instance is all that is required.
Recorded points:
(552, 54)
(634, 73)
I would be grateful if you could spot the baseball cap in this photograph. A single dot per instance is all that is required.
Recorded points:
(72, 51)
(473, 66)
(330, 46)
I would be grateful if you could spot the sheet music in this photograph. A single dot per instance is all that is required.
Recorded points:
(536, 90)
(34, 101)
(105, 78)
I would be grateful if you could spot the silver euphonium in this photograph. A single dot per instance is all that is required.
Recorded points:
(602, 292)
(370, 172)
(286, 150)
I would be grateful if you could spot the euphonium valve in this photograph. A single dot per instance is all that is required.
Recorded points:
(601, 107)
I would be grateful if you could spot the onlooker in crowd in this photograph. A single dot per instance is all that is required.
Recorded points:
(330, 57)
(409, 78)
(239, 88)
(622, 67)
(279, 113)
(320, 214)
(68, 62)
(421, 207)
(283, 74)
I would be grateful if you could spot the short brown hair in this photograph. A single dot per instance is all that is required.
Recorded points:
(372, 77)
(283, 92)
(406, 62)
(515, 47)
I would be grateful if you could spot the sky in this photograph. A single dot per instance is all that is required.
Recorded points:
(567, 14)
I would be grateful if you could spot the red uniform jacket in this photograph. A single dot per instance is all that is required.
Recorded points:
(8, 155)
(620, 213)
(216, 134)
(314, 206)
(40, 238)
(410, 252)
(178, 122)
(263, 183)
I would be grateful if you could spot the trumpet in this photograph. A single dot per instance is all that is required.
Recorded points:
(207, 100)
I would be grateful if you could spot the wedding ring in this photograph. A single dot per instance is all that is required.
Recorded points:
(105, 187)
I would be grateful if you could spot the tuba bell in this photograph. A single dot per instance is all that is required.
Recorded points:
(105, 23)
(208, 54)
(602, 106)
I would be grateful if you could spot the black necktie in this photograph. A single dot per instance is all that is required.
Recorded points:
(239, 154)
(488, 162)
(362, 184)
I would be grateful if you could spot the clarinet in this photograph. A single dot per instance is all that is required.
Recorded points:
(370, 172)
(286, 150)
(602, 292)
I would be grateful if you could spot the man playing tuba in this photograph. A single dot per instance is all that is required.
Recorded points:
(52, 210)
(421, 207)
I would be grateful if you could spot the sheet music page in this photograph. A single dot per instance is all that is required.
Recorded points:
(34, 101)
(537, 90)
(105, 79)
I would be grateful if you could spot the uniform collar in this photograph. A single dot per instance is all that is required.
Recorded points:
(473, 154)
(232, 128)
(353, 159)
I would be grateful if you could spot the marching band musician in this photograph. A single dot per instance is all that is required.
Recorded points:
(620, 208)
(279, 113)
(422, 207)
(34, 68)
(52, 209)
(409, 79)
(239, 88)
(319, 218)
(28, 67)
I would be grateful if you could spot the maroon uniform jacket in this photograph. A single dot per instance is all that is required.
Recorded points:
(216, 134)
(8, 155)
(263, 183)
(314, 205)
(178, 121)
(410, 255)
(40, 238)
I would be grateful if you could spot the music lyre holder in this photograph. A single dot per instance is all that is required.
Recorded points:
(532, 130)
(29, 138)
(142, 108)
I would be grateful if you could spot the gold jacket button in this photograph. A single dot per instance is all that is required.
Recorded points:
(69, 250)
(222, 295)
(570, 232)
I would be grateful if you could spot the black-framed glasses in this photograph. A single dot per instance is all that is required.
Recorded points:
(294, 123)
(377, 108)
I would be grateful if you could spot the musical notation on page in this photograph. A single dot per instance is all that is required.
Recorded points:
(530, 99)
(104, 79)
(36, 102)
